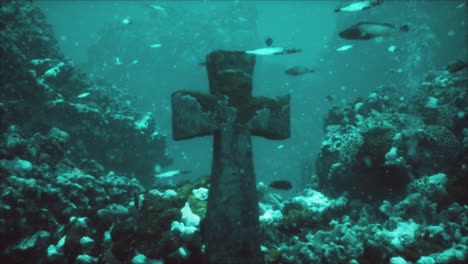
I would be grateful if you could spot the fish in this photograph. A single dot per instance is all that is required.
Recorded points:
(288, 51)
(330, 98)
(298, 70)
(127, 21)
(370, 30)
(158, 8)
(281, 185)
(345, 47)
(392, 48)
(158, 45)
(172, 173)
(455, 66)
(266, 51)
(268, 41)
(118, 61)
(83, 95)
(358, 6)
(272, 51)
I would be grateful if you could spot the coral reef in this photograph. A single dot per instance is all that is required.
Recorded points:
(41, 91)
(376, 145)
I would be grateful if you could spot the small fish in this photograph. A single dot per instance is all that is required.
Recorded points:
(460, 5)
(118, 61)
(359, 6)
(266, 51)
(455, 66)
(330, 98)
(281, 185)
(127, 21)
(272, 51)
(298, 70)
(370, 30)
(288, 51)
(155, 45)
(172, 173)
(157, 8)
(345, 47)
(83, 95)
(392, 48)
(268, 41)
(203, 63)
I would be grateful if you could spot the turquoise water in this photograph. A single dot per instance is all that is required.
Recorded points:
(188, 30)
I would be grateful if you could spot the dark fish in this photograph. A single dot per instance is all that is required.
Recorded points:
(359, 5)
(330, 98)
(298, 70)
(455, 66)
(268, 41)
(202, 63)
(370, 30)
(281, 185)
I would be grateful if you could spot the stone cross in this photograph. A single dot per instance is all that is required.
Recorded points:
(231, 114)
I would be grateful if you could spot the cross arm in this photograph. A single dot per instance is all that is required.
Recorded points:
(271, 117)
(193, 114)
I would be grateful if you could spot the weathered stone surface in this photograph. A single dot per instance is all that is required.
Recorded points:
(231, 115)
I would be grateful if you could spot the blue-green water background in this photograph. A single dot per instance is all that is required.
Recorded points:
(191, 29)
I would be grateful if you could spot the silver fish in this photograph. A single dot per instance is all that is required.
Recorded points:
(172, 173)
(358, 6)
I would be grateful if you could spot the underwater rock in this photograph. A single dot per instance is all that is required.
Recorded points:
(17, 166)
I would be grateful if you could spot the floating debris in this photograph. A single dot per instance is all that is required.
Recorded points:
(281, 185)
(345, 47)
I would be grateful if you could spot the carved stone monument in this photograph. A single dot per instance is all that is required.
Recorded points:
(231, 115)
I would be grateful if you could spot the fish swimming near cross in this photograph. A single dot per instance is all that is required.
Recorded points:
(231, 115)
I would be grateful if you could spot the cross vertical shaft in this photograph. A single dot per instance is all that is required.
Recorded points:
(231, 115)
